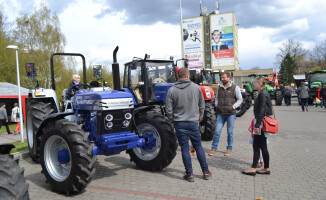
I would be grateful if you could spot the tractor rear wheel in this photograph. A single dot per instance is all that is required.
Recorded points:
(241, 110)
(12, 182)
(66, 156)
(161, 155)
(36, 112)
(255, 95)
(249, 101)
(278, 97)
(207, 126)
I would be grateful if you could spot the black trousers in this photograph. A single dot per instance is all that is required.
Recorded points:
(260, 143)
(3, 122)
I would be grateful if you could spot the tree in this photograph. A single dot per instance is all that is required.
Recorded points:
(40, 36)
(291, 60)
(287, 70)
(318, 56)
(7, 56)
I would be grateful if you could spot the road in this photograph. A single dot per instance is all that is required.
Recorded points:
(297, 162)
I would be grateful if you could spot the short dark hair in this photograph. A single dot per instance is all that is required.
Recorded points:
(226, 73)
(183, 72)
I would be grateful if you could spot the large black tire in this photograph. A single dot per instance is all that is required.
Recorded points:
(73, 175)
(278, 97)
(249, 101)
(162, 154)
(241, 110)
(37, 111)
(12, 182)
(207, 126)
(255, 95)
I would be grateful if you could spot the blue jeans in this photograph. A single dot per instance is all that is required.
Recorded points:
(184, 131)
(220, 121)
(304, 102)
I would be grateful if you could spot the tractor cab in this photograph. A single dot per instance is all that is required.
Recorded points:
(316, 80)
(149, 80)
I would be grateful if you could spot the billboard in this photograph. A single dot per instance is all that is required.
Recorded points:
(193, 41)
(222, 40)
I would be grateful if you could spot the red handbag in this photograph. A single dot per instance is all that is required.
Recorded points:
(270, 125)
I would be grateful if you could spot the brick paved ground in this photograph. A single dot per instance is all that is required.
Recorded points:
(297, 168)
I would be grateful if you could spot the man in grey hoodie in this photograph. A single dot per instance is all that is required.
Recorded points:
(4, 117)
(185, 107)
(303, 92)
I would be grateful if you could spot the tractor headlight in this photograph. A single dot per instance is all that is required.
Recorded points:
(109, 117)
(208, 94)
(109, 125)
(126, 123)
(128, 116)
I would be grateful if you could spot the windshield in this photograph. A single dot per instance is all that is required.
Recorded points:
(318, 77)
(207, 77)
(160, 72)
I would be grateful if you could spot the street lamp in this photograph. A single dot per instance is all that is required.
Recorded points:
(19, 94)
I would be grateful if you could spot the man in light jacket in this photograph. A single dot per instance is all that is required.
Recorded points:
(185, 108)
(303, 92)
(4, 117)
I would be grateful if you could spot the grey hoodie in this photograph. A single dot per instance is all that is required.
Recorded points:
(185, 102)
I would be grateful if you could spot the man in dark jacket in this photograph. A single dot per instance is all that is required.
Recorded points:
(185, 107)
(227, 99)
(323, 95)
(4, 117)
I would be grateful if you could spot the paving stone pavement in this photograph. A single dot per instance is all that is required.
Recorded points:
(297, 161)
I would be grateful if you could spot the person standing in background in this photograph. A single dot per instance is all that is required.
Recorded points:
(15, 117)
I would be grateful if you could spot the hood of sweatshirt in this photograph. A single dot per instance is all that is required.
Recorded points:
(182, 84)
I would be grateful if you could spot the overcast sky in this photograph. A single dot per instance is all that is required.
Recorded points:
(95, 27)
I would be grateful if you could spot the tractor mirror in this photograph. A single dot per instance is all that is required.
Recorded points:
(134, 64)
(186, 63)
(30, 70)
(97, 70)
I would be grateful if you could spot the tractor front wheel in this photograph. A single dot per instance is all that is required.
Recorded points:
(151, 124)
(66, 156)
(207, 126)
(278, 97)
(37, 111)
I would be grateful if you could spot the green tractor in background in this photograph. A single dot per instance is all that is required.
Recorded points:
(316, 79)
(274, 93)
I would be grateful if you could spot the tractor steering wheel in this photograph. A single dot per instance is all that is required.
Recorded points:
(78, 86)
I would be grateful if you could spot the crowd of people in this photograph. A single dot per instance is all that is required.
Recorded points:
(185, 108)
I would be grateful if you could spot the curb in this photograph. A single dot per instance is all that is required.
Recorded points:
(21, 155)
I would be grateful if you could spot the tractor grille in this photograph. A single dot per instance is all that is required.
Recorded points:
(117, 122)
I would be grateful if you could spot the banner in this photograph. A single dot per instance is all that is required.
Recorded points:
(195, 59)
(192, 41)
(222, 39)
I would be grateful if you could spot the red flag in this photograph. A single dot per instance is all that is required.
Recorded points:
(275, 78)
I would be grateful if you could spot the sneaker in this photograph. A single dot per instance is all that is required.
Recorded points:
(212, 152)
(207, 175)
(307, 109)
(228, 152)
(189, 178)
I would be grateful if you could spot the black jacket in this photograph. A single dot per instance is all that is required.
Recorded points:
(72, 91)
(323, 92)
(262, 107)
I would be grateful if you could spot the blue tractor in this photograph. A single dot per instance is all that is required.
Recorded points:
(97, 122)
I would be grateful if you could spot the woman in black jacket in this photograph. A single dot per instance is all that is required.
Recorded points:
(262, 108)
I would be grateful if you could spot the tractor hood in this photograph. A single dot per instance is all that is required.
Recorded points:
(103, 100)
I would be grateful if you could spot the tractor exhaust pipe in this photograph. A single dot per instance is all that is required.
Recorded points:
(116, 71)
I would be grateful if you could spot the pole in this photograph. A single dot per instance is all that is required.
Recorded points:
(180, 11)
(20, 100)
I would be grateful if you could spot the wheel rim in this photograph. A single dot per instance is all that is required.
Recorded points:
(30, 130)
(53, 146)
(148, 154)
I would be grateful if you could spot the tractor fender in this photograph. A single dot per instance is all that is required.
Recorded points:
(6, 148)
(51, 117)
(143, 109)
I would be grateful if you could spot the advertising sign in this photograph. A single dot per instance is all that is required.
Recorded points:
(192, 41)
(195, 59)
(222, 39)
